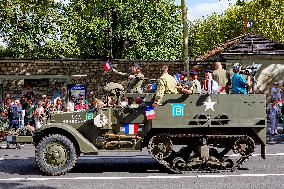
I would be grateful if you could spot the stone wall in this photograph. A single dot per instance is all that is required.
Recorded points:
(90, 72)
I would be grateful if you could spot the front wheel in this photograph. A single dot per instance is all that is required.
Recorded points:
(55, 155)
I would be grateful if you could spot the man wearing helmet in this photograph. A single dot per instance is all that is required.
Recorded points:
(136, 78)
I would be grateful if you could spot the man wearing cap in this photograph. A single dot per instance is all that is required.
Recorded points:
(167, 84)
(194, 84)
(135, 79)
(239, 83)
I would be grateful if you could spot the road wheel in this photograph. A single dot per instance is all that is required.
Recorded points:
(160, 147)
(55, 155)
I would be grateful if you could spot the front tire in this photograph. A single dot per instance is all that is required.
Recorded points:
(55, 155)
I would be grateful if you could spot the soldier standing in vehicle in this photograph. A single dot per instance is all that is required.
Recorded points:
(219, 75)
(210, 86)
(192, 86)
(135, 79)
(167, 84)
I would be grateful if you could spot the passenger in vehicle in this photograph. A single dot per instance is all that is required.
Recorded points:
(167, 84)
(239, 83)
(192, 86)
(210, 86)
(219, 75)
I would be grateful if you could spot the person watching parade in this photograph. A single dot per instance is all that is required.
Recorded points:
(29, 113)
(239, 83)
(136, 78)
(276, 91)
(167, 84)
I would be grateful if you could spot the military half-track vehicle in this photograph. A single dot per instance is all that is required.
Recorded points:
(188, 133)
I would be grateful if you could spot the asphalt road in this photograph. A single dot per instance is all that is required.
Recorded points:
(138, 170)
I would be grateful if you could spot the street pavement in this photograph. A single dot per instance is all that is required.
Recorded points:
(138, 170)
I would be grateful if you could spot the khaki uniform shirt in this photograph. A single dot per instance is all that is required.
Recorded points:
(135, 84)
(196, 86)
(220, 76)
(166, 85)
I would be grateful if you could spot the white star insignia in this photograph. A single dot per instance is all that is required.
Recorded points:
(209, 104)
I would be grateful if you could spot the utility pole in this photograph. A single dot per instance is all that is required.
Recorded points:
(185, 35)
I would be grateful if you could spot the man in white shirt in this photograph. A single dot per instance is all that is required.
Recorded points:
(209, 85)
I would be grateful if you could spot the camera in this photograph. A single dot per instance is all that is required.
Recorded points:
(250, 70)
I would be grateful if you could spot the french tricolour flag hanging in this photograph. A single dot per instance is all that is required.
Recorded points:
(150, 113)
(107, 66)
(248, 24)
(130, 129)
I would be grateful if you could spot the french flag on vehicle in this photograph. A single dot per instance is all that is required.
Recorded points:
(150, 113)
(130, 129)
(248, 24)
(107, 66)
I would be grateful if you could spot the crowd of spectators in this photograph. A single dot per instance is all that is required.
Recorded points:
(17, 113)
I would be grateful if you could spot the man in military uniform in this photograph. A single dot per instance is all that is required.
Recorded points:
(193, 85)
(167, 84)
(219, 75)
(136, 79)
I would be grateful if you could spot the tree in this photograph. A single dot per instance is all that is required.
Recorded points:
(127, 29)
(100, 29)
(33, 29)
(267, 17)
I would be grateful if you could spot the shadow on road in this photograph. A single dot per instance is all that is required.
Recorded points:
(278, 139)
(19, 166)
(98, 164)
(122, 164)
(22, 185)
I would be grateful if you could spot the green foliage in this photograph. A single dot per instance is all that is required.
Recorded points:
(99, 29)
(127, 29)
(32, 28)
(267, 17)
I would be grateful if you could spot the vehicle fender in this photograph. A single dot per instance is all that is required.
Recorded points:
(85, 146)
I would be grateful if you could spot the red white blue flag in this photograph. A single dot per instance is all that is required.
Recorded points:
(248, 24)
(107, 66)
(130, 129)
(150, 113)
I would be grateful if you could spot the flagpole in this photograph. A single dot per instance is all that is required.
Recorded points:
(185, 35)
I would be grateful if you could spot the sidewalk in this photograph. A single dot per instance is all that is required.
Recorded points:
(276, 139)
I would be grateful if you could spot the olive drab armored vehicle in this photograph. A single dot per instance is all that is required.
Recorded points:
(183, 133)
